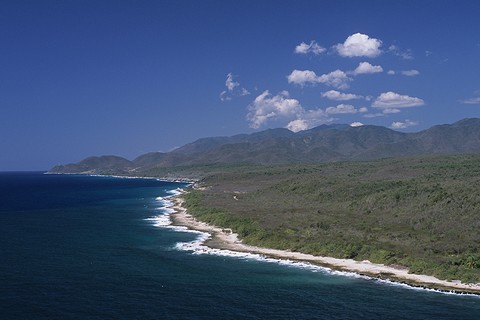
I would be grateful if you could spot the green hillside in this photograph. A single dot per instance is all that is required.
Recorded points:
(423, 213)
(325, 143)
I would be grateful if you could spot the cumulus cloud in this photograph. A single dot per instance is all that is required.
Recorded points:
(233, 89)
(302, 77)
(391, 72)
(341, 109)
(363, 109)
(403, 125)
(410, 73)
(313, 48)
(404, 54)
(365, 68)
(297, 125)
(308, 119)
(340, 96)
(266, 107)
(359, 45)
(392, 100)
(337, 79)
(356, 124)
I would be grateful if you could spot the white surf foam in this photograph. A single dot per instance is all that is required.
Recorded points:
(161, 220)
(165, 208)
(175, 192)
(197, 247)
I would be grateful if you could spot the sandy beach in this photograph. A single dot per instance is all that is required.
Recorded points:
(225, 239)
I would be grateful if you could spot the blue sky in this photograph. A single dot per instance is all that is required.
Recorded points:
(81, 78)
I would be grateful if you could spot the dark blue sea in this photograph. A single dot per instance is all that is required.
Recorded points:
(83, 247)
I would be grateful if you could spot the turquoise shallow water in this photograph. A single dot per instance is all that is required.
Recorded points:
(79, 247)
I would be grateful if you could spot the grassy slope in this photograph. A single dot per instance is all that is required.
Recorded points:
(423, 213)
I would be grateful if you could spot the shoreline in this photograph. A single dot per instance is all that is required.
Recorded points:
(224, 239)
(175, 180)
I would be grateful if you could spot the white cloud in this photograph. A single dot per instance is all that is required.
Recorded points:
(308, 119)
(244, 92)
(404, 54)
(297, 125)
(340, 96)
(403, 125)
(313, 47)
(410, 73)
(363, 110)
(229, 83)
(337, 79)
(391, 100)
(356, 124)
(341, 109)
(302, 77)
(233, 89)
(391, 110)
(475, 100)
(266, 107)
(224, 96)
(359, 45)
(365, 68)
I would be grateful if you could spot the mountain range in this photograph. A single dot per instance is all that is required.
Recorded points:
(325, 143)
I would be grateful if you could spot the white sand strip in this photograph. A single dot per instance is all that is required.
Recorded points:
(224, 239)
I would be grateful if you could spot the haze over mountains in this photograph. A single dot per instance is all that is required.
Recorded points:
(338, 142)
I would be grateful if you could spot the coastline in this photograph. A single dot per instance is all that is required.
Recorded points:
(224, 239)
(176, 180)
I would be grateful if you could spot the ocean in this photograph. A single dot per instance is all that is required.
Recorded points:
(85, 247)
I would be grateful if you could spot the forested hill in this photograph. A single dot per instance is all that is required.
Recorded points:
(420, 213)
(321, 144)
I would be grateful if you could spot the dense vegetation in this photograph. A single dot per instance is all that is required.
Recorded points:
(423, 213)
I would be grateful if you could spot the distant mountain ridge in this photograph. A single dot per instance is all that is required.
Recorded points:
(338, 142)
